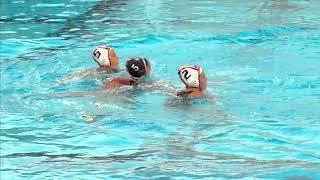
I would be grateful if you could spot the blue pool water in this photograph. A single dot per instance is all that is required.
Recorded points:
(262, 59)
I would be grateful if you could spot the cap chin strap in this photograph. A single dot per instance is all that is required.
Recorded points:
(134, 78)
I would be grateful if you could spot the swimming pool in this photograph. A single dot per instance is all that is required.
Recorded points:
(261, 59)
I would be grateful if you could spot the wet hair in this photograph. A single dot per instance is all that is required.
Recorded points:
(137, 67)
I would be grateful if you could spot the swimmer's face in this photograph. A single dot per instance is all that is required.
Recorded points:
(114, 60)
(203, 81)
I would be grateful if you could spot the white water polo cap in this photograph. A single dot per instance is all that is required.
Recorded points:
(101, 55)
(190, 75)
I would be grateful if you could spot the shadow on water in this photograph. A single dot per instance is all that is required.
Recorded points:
(139, 155)
(101, 9)
(76, 26)
(200, 165)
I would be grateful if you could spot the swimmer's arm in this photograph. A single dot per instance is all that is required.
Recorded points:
(76, 94)
(102, 96)
(77, 75)
(117, 83)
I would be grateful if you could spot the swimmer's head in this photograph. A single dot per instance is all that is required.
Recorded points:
(138, 67)
(105, 56)
(193, 76)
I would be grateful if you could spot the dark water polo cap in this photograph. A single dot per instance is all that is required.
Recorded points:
(137, 67)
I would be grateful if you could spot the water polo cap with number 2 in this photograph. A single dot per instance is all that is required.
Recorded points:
(190, 75)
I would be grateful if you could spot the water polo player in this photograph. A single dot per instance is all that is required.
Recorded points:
(107, 61)
(137, 68)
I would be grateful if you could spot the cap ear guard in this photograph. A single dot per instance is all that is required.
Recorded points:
(144, 63)
(101, 56)
(189, 75)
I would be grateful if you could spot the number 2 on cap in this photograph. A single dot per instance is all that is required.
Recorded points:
(185, 74)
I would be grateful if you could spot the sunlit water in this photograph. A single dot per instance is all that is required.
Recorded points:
(262, 59)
